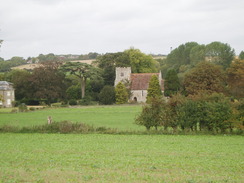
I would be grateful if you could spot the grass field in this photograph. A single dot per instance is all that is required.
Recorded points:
(120, 158)
(120, 117)
(113, 158)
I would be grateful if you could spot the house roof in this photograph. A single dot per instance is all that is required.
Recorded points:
(4, 85)
(141, 81)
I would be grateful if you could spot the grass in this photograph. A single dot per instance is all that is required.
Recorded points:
(120, 158)
(120, 117)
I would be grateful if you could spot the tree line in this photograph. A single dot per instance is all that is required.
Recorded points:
(193, 74)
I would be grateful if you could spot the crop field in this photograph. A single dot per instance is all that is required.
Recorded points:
(33, 157)
(119, 117)
(120, 158)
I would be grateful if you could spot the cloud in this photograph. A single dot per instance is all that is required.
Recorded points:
(31, 27)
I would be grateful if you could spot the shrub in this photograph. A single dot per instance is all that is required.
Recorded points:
(85, 101)
(32, 108)
(72, 102)
(107, 95)
(121, 94)
(22, 107)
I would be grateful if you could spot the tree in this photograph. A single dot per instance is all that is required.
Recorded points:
(1, 98)
(152, 115)
(220, 53)
(83, 71)
(140, 62)
(73, 92)
(154, 89)
(47, 82)
(236, 78)
(171, 83)
(205, 77)
(107, 95)
(241, 55)
(121, 94)
(20, 79)
(181, 55)
(109, 62)
(197, 54)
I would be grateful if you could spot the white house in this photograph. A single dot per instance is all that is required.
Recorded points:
(6, 93)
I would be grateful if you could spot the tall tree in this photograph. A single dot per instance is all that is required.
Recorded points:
(47, 82)
(197, 54)
(22, 85)
(220, 53)
(140, 62)
(121, 94)
(205, 77)
(83, 71)
(154, 89)
(236, 78)
(109, 62)
(181, 55)
(241, 55)
(171, 83)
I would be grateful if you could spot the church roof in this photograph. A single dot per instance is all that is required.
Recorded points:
(141, 81)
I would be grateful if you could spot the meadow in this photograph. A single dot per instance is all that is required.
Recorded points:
(35, 157)
(120, 158)
(119, 117)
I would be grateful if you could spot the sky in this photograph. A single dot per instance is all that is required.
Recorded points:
(33, 27)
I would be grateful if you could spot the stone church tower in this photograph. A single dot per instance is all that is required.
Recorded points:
(122, 74)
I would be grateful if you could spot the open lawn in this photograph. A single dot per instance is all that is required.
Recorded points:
(120, 158)
(120, 117)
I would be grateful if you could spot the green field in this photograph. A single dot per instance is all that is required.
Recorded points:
(120, 117)
(120, 158)
(113, 158)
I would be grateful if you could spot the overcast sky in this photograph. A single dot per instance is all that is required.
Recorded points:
(31, 27)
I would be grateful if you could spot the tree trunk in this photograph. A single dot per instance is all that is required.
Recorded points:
(83, 87)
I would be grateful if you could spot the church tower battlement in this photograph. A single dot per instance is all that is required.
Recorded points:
(122, 74)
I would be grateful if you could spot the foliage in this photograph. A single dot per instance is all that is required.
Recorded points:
(47, 82)
(241, 55)
(83, 71)
(107, 95)
(152, 115)
(14, 61)
(108, 62)
(140, 62)
(205, 77)
(22, 107)
(21, 81)
(134, 58)
(171, 83)
(121, 94)
(72, 102)
(154, 89)
(220, 53)
(181, 55)
(236, 78)
(73, 92)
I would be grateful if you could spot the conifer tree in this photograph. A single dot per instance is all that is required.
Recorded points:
(154, 89)
(171, 83)
(121, 95)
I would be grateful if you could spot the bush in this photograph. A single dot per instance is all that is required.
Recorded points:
(85, 101)
(32, 108)
(107, 95)
(121, 94)
(22, 108)
(72, 102)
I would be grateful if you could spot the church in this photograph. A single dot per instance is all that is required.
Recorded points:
(138, 82)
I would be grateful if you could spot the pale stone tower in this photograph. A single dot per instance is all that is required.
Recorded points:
(122, 74)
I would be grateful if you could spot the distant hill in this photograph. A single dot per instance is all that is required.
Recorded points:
(32, 66)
